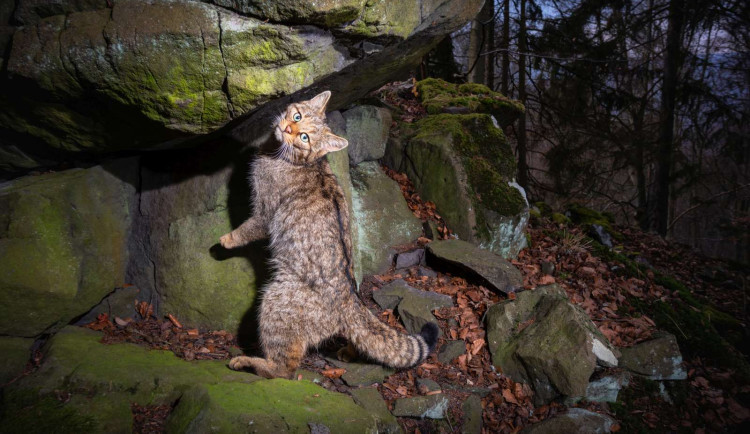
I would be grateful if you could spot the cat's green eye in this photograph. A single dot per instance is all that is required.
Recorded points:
(297, 117)
(304, 137)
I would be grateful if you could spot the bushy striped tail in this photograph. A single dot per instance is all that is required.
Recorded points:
(385, 344)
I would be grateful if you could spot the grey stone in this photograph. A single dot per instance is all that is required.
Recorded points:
(656, 359)
(15, 353)
(451, 350)
(175, 256)
(472, 409)
(601, 235)
(431, 407)
(426, 272)
(367, 130)
(362, 374)
(382, 217)
(575, 420)
(543, 340)
(370, 399)
(318, 428)
(389, 296)
(496, 272)
(339, 162)
(548, 268)
(428, 384)
(409, 259)
(606, 388)
(414, 313)
(63, 244)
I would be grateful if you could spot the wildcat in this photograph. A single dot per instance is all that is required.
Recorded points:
(300, 207)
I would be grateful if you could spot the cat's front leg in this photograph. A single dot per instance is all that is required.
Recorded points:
(251, 230)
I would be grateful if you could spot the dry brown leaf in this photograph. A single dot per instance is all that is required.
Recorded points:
(333, 372)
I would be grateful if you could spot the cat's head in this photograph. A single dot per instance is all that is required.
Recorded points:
(303, 133)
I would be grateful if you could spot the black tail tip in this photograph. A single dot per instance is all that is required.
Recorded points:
(429, 333)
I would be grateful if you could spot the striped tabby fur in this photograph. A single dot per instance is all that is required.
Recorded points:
(300, 206)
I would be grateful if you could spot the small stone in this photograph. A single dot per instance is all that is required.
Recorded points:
(656, 359)
(361, 374)
(428, 384)
(488, 267)
(548, 268)
(389, 296)
(431, 406)
(426, 272)
(451, 350)
(606, 389)
(318, 428)
(431, 230)
(415, 313)
(409, 259)
(598, 233)
(472, 408)
(575, 420)
(370, 399)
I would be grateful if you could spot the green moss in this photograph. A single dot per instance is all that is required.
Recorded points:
(545, 209)
(581, 215)
(28, 412)
(267, 406)
(560, 218)
(436, 95)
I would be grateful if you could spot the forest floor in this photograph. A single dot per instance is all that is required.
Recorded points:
(614, 287)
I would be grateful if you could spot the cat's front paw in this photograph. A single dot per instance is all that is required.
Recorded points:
(228, 242)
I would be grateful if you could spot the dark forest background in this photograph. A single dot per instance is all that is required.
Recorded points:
(636, 107)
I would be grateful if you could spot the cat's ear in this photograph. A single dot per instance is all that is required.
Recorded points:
(320, 101)
(333, 143)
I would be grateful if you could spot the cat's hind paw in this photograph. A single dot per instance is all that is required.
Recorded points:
(347, 354)
(228, 242)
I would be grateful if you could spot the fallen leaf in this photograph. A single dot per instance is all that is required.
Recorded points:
(333, 372)
(546, 280)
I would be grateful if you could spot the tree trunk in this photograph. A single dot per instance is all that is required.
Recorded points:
(478, 43)
(523, 169)
(666, 123)
(505, 45)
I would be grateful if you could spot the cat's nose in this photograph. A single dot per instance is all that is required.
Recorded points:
(288, 129)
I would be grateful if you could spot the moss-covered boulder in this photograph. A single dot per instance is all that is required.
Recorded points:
(437, 96)
(268, 406)
(85, 386)
(326, 13)
(542, 340)
(99, 77)
(464, 164)
(188, 201)
(162, 69)
(383, 218)
(16, 352)
(63, 244)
